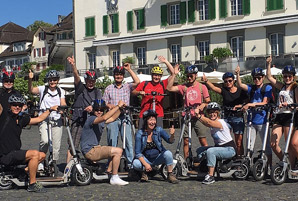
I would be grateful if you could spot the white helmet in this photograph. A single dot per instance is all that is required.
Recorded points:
(213, 106)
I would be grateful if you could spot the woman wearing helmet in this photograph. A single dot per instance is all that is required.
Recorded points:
(149, 149)
(224, 148)
(50, 95)
(288, 94)
(233, 97)
(157, 85)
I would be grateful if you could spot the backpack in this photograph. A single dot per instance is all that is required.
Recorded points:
(46, 89)
(163, 86)
(263, 90)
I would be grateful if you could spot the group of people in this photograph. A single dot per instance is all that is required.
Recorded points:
(89, 119)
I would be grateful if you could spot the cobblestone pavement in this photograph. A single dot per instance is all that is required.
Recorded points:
(157, 188)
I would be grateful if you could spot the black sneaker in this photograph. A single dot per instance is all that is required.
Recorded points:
(208, 179)
(36, 187)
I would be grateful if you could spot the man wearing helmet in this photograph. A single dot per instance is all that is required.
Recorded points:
(155, 85)
(11, 124)
(7, 90)
(50, 95)
(112, 95)
(257, 98)
(194, 94)
(84, 95)
(224, 148)
(91, 135)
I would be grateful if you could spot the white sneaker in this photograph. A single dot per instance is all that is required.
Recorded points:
(116, 180)
(40, 167)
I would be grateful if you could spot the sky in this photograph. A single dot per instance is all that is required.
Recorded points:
(25, 12)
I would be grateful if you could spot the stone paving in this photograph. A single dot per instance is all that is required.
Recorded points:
(157, 188)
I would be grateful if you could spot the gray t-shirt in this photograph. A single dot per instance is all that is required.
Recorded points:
(91, 134)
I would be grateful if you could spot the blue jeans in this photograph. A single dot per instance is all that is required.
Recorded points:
(237, 124)
(113, 130)
(214, 153)
(165, 157)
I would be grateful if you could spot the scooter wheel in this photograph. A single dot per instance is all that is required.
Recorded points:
(277, 176)
(242, 171)
(164, 171)
(80, 180)
(4, 184)
(257, 172)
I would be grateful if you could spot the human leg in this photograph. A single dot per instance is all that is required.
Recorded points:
(274, 140)
(294, 145)
(56, 138)
(200, 130)
(112, 133)
(237, 124)
(44, 136)
(33, 157)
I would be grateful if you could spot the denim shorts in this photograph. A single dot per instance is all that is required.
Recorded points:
(237, 124)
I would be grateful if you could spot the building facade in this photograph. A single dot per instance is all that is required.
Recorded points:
(184, 31)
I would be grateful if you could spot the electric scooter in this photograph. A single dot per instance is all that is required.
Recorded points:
(74, 172)
(282, 169)
(154, 94)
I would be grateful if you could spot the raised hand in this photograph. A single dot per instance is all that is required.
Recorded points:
(269, 60)
(176, 69)
(31, 74)
(71, 60)
(172, 130)
(161, 59)
(204, 78)
(127, 66)
(237, 70)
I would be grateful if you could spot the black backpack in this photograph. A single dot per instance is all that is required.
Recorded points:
(163, 86)
(46, 89)
(263, 90)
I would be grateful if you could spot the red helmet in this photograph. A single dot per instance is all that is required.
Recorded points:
(90, 75)
(8, 75)
(119, 69)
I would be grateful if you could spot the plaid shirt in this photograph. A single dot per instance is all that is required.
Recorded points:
(113, 94)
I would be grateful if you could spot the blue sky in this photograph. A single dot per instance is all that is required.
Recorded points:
(25, 12)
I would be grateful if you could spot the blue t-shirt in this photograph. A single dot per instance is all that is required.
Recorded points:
(91, 134)
(259, 118)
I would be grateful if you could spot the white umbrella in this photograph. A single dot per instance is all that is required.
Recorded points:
(70, 80)
(274, 71)
(142, 77)
(215, 74)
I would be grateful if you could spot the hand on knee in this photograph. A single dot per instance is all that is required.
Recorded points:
(41, 156)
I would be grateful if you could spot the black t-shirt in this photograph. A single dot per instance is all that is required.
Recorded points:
(232, 99)
(4, 98)
(10, 131)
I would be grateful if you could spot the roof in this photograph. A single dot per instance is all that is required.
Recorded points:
(8, 52)
(11, 33)
(65, 24)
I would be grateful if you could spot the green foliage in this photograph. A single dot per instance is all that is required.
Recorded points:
(33, 27)
(215, 97)
(106, 81)
(221, 52)
(128, 60)
(209, 58)
(247, 80)
(181, 77)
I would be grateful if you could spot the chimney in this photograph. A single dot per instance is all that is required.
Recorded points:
(59, 18)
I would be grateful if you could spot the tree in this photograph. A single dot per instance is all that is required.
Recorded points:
(33, 27)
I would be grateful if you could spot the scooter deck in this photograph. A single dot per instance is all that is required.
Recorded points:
(49, 179)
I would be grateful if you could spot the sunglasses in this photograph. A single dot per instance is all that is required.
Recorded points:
(190, 75)
(8, 81)
(99, 110)
(211, 111)
(289, 76)
(228, 81)
(17, 105)
(257, 78)
(53, 80)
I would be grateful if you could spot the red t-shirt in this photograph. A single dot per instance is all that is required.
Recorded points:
(147, 101)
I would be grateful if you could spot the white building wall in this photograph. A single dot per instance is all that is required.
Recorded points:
(126, 50)
(218, 39)
(255, 41)
(3, 47)
(188, 48)
(156, 48)
(291, 39)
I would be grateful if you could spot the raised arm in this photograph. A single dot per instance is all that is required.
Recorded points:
(271, 79)
(135, 78)
(208, 122)
(75, 72)
(31, 89)
(43, 116)
(239, 83)
(110, 113)
(210, 85)
(163, 60)
(171, 80)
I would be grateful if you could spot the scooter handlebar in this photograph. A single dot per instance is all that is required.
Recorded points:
(154, 93)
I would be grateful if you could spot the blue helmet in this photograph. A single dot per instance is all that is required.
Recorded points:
(257, 71)
(191, 69)
(228, 74)
(98, 104)
(289, 69)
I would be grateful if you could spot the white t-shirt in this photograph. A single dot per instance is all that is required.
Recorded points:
(50, 99)
(221, 136)
(284, 96)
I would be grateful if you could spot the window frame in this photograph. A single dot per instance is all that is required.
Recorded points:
(115, 58)
(176, 14)
(176, 56)
(205, 14)
(236, 7)
(142, 58)
(279, 47)
(206, 48)
(239, 47)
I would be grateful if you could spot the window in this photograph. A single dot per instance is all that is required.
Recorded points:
(25, 60)
(44, 65)
(89, 27)
(140, 19)
(175, 14)
(114, 19)
(275, 5)
(203, 9)
(38, 52)
(92, 60)
(42, 35)
(116, 58)
(17, 47)
(236, 7)
(203, 49)
(176, 53)
(43, 51)
(237, 47)
(277, 44)
(70, 35)
(141, 54)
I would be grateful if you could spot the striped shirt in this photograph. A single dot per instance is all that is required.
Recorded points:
(113, 94)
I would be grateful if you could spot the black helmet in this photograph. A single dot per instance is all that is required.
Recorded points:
(289, 69)
(52, 74)
(227, 75)
(213, 106)
(119, 69)
(90, 75)
(15, 98)
(8, 75)
(257, 71)
(149, 113)
(191, 69)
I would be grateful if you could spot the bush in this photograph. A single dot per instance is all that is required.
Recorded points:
(128, 60)
(221, 52)
(102, 85)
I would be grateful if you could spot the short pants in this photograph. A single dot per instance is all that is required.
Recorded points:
(17, 157)
(99, 152)
(199, 127)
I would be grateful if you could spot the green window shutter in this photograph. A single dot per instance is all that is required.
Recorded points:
(92, 26)
(116, 21)
(246, 7)
(191, 11)
(270, 5)
(164, 15)
(183, 12)
(105, 24)
(129, 21)
(89, 27)
(212, 13)
(222, 8)
(142, 18)
(279, 4)
(87, 33)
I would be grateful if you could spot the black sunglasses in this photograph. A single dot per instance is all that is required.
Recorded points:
(8, 81)
(53, 80)
(228, 81)
(257, 78)
(17, 104)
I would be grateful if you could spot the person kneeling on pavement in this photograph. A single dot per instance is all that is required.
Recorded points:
(90, 138)
(11, 123)
(149, 149)
(224, 148)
